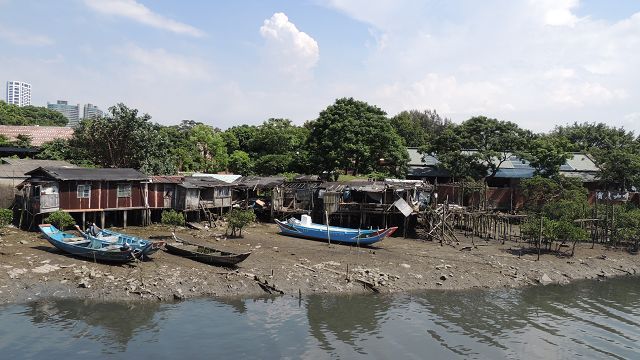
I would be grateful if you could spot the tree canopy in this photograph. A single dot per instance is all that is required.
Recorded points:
(478, 146)
(417, 128)
(353, 135)
(30, 115)
(124, 139)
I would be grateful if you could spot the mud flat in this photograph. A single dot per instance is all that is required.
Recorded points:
(31, 269)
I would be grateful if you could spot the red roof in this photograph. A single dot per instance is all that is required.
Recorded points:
(39, 134)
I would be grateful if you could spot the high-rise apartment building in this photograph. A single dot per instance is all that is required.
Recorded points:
(71, 112)
(18, 93)
(91, 112)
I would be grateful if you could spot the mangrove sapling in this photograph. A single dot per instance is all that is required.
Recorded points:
(172, 218)
(238, 219)
(60, 219)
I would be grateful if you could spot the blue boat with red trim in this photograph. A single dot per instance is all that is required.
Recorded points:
(306, 229)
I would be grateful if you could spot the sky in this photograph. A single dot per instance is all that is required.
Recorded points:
(538, 63)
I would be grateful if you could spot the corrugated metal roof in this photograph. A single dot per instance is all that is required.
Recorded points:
(39, 134)
(369, 186)
(203, 182)
(90, 174)
(579, 162)
(17, 168)
(228, 178)
(260, 181)
(417, 159)
(513, 167)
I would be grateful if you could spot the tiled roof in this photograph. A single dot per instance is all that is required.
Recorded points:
(39, 134)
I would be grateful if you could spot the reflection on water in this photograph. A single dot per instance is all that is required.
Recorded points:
(587, 319)
(345, 318)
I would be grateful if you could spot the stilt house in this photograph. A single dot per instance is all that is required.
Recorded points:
(105, 196)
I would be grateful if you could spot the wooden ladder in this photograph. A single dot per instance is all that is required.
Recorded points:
(207, 213)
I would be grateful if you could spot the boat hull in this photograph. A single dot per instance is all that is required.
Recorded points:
(85, 248)
(335, 234)
(205, 254)
(143, 248)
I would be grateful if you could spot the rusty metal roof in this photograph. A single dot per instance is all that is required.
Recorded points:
(163, 179)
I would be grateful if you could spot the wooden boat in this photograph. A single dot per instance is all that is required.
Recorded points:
(306, 229)
(145, 247)
(87, 248)
(204, 254)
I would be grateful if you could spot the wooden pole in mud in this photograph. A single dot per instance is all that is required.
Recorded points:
(326, 214)
(540, 238)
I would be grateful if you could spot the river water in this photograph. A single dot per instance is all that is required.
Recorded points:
(588, 319)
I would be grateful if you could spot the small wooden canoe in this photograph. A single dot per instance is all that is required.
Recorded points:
(204, 254)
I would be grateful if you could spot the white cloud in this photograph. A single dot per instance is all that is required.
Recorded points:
(142, 14)
(158, 64)
(21, 37)
(557, 12)
(294, 52)
(534, 62)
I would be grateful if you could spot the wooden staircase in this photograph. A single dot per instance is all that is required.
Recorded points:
(207, 213)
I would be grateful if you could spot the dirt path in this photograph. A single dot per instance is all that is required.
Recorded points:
(30, 268)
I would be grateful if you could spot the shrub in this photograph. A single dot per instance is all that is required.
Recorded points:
(6, 217)
(60, 219)
(172, 218)
(237, 219)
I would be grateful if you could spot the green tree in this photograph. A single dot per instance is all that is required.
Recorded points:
(23, 141)
(244, 134)
(124, 140)
(353, 135)
(30, 115)
(6, 217)
(240, 163)
(416, 128)
(238, 219)
(615, 151)
(479, 144)
(547, 154)
(172, 218)
(210, 153)
(60, 219)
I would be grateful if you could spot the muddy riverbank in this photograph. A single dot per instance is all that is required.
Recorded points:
(30, 268)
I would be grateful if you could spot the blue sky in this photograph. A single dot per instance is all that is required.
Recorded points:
(539, 63)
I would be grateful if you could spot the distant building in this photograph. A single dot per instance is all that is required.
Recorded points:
(18, 93)
(91, 112)
(71, 112)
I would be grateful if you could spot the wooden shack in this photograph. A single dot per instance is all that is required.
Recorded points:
(296, 196)
(105, 196)
(197, 195)
(362, 204)
(256, 192)
(163, 192)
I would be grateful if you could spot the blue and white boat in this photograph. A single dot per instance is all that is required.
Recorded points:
(144, 248)
(88, 248)
(306, 229)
